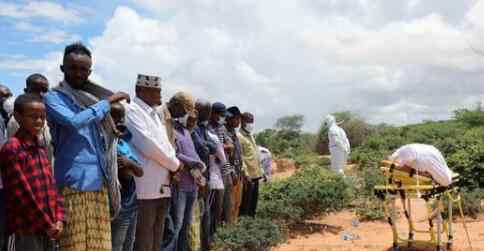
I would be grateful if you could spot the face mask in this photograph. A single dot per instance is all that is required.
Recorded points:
(183, 120)
(204, 123)
(221, 121)
(249, 127)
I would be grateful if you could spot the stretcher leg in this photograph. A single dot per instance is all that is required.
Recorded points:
(450, 234)
(431, 222)
(406, 210)
(389, 210)
(440, 223)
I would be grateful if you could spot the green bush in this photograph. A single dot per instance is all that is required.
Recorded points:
(273, 204)
(248, 234)
(310, 191)
(467, 158)
(368, 208)
(309, 159)
(471, 117)
(471, 202)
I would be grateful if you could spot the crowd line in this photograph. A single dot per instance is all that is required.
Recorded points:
(87, 169)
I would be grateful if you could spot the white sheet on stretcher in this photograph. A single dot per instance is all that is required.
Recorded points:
(424, 158)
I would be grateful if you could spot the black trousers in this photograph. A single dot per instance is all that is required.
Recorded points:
(216, 209)
(250, 197)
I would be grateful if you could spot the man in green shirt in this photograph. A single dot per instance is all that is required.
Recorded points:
(252, 170)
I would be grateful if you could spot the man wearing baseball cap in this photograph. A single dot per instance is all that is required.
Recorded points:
(217, 127)
(233, 117)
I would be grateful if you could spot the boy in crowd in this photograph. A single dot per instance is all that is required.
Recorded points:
(123, 227)
(34, 206)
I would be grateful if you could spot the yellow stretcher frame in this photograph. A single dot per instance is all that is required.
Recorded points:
(404, 185)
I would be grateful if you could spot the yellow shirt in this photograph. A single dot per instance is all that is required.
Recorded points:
(250, 155)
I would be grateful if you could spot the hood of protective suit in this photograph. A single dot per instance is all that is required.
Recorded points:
(329, 121)
(338, 141)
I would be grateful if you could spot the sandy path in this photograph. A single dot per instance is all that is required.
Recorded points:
(372, 235)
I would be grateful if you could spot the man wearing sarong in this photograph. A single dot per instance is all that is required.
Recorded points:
(84, 138)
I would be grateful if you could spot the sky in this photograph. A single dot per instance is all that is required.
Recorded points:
(395, 62)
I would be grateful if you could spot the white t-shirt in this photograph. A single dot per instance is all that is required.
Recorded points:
(424, 158)
(216, 162)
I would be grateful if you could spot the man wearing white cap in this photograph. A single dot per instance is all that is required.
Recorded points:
(151, 142)
(339, 145)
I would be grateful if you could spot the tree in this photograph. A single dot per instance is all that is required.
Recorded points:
(474, 117)
(290, 123)
(287, 139)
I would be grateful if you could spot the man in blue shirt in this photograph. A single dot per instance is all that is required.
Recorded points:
(81, 154)
(205, 147)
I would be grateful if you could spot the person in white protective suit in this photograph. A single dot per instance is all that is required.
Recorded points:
(339, 145)
(426, 160)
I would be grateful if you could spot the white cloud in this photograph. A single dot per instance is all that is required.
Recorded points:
(56, 37)
(46, 35)
(40, 9)
(390, 61)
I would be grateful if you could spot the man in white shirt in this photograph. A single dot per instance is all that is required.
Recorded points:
(426, 160)
(266, 162)
(158, 156)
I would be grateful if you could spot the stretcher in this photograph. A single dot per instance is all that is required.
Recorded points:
(439, 200)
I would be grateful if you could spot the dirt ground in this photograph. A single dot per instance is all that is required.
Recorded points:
(326, 233)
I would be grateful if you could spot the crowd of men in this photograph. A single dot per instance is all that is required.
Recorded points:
(86, 169)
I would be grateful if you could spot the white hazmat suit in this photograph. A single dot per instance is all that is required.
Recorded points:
(424, 158)
(339, 145)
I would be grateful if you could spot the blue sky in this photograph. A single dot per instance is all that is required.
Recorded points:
(19, 42)
(396, 62)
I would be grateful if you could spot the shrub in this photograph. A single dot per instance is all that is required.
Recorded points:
(273, 204)
(310, 191)
(248, 234)
(368, 208)
(468, 158)
(470, 117)
(311, 159)
(471, 202)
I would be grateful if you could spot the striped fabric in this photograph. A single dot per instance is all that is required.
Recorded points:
(194, 231)
(88, 225)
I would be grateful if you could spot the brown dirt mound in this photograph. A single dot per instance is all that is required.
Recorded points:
(283, 168)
